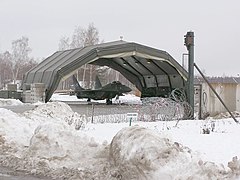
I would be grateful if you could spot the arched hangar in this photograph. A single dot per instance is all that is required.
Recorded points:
(154, 72)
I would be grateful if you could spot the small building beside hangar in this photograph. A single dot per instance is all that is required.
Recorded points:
(228, 88)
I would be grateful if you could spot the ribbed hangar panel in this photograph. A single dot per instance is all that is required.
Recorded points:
(153, 72)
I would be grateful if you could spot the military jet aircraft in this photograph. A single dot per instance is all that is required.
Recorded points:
(100, 92)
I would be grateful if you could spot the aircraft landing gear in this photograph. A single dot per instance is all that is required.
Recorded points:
(108, 101)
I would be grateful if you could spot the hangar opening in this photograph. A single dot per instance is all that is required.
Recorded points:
(154, 72)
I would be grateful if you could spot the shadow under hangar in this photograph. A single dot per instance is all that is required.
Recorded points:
(154, 72)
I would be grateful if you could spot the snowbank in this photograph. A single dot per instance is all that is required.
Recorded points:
(52, 140)
(44, 141)
(16, 129)
(139, 153)
(60, 147)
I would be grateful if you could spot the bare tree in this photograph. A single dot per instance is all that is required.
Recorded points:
(91, 35)
(64, 43)
(78, 37)
(86, 37)
(14, 64)
(26, 67)
(91, 38)
(5, 70)
(20, 55)
(82, 37)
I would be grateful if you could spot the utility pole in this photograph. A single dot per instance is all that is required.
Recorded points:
(189, 43)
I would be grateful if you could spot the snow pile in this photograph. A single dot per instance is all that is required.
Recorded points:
(59, 147)
(16, 129)
(139, 153)
(58, 111)
(234, 165)
(10, 102)
(42, 142)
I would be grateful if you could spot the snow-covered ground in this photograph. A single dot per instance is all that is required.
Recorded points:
(53, 140)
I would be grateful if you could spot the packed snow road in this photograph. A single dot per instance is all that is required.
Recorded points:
(19, 109)
(88, 109)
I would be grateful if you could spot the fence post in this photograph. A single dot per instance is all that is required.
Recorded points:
(92, 112)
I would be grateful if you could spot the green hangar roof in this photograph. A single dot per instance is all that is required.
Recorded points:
(154, 72)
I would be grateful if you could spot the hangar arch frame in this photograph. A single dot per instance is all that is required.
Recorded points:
(154, 72)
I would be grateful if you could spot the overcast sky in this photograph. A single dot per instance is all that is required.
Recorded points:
(156, 23)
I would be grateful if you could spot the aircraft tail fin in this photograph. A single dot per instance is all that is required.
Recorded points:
(98, 84)
(76, 84)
